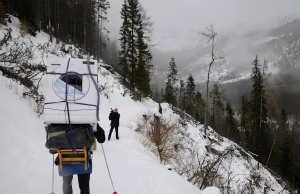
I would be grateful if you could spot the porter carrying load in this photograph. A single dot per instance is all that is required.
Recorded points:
(71, 110)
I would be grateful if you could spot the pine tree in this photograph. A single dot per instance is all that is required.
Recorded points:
(72, 21)
(294, 145)
(190, 94)
(258, 113)
(169, 93)
(217, 110)
(142, 73)
(276, 132)
(181, 99)
(124, 33)
(286, 148)
(172, 77)
(200, 107)
(2, 13)
(245, 123)
(26, 14)
(102, 8)
(135, 55)
(230, 126)
(133, 18)
(173, 72)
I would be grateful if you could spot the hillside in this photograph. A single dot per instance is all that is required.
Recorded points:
(279, 45)
(134, 168)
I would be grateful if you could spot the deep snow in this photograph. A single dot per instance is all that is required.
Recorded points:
(26, 164)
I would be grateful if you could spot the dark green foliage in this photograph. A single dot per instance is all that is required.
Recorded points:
(258, 113)
(199, 107)
(169, 94)
(245, 121)
(217, 110)
(135, 56)
(27, 16)
(231, 130)
(286, 148)
(76, 22)
(173, 72)
(2, 13)
(142, 74)
(124, 32)
(190, 94)
(133, 19)
(181, 98)
(171, 90)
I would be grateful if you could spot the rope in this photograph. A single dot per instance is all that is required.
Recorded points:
(108, 169)
(53, 174)
(96, 86)
(67, 103)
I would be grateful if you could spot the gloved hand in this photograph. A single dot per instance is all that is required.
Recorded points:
(56, 162)
(52, 151)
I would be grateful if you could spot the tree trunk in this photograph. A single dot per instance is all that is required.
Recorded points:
(270, 152)
(49, 21)
(100, 35)
(57, 23)
(38, 14)
(84, 27)
(74, 23)
(207, 88)
(132, 56)
(98, 32)
(55, 18)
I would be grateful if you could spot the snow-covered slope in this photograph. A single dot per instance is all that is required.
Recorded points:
(26, 164)
(134, 169)
(288, 18)
(41, 47)
(279, 45)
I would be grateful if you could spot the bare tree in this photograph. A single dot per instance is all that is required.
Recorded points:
(211, 35)
(159, 135)
(49, 21)
(17, 64)
(212, 168)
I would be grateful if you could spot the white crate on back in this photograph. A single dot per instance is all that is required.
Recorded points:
(82, 92)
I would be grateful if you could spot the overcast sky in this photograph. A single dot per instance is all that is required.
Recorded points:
(193, 15)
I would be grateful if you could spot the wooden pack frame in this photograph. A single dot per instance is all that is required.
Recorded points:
(68, 156)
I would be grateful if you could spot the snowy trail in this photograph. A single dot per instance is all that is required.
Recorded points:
(26, 165)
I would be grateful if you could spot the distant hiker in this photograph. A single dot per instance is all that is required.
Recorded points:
(114, 116)
(83, 179)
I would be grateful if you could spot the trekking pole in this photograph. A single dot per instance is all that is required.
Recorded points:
(109, 171)
(52, 175)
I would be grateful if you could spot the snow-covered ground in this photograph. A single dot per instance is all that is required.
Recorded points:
(134, 169)
(26, 165)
